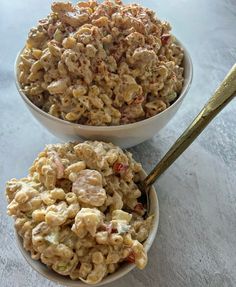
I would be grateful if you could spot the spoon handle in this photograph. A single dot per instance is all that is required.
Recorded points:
(222, 96)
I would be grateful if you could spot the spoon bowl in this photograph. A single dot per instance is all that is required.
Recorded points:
(120, 272)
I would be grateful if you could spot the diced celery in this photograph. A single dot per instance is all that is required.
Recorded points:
(122, 228)
(58, 36)
(52, 238)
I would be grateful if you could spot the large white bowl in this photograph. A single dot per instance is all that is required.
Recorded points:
(124, 269)
(124, 136)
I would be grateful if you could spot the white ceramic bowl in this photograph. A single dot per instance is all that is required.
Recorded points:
(66, 281)
(124, 136)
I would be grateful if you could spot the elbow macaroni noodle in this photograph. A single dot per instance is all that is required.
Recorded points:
(101, 63)
(78, 210)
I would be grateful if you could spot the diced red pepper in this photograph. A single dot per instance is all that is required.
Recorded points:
(165, 39)
(130, 258)
(139, 100)
(139, 207)
(110, 229)
(119, 167)
(107, 227)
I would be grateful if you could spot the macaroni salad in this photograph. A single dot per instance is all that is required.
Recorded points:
(101, 63)
(78, 210)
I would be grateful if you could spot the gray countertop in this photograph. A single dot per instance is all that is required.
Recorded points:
(196, 239)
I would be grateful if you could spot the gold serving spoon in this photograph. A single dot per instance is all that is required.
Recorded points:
(222, 96)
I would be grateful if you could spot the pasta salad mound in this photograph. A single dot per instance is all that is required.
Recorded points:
(101, 64)
(79, 211)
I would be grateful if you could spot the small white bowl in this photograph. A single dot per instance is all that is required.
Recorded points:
(124, 136)
(124, 269)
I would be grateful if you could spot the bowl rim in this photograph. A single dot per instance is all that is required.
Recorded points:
(46, 115)
(65, 280)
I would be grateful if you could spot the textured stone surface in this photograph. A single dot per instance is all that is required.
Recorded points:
(195, 244)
